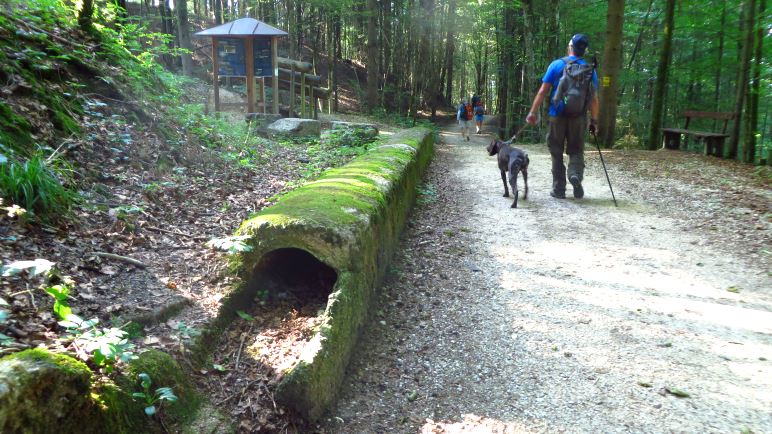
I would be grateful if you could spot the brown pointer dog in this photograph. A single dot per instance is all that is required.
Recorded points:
(512, 160)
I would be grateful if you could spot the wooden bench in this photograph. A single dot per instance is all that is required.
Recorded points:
(713, 142)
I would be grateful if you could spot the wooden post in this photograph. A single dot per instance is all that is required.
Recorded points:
(292, 91)
(303, 113)
(315, 100)
(275, 64)
(262, 93)
(216, 75)
(250, 58)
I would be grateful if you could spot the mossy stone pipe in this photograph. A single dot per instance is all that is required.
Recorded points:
(349, 220)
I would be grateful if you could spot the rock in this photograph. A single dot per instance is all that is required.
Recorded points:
(367, 130)
(40, 390)
(262, 118)
(295, 127)
(259, 122)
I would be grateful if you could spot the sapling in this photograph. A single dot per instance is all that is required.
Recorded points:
(151, 398)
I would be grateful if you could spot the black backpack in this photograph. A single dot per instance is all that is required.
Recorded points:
(575, 88)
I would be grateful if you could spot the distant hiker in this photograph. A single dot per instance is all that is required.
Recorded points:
(574, 85)
(464, 115)
(475, 100)
(479, 113)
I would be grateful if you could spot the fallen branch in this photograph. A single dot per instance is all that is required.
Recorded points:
(182, 234)
(126, 259)
(241, 346)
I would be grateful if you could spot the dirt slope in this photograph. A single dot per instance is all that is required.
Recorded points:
(573, 315)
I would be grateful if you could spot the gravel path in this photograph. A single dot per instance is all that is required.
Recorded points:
(558, 316)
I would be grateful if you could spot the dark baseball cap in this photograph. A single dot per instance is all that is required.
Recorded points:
(580, 43)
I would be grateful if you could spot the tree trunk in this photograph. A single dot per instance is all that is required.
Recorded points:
(719, 60)
(388, 48)
(662, 70)
(372, 55)
(753, 107)
(450, 48)
(120, 9)
(217, 12)
(338, 48)
(742, 79)
(86, 16)
(612, 62)
(529, 65)
(183, 32)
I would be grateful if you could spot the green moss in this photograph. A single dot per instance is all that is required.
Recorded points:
(164, 371)
(66, 363)
(40, 390)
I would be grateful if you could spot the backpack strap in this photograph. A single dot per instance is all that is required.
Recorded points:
(567, 60)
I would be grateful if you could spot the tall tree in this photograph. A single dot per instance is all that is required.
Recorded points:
(612, 62)
(373, 59)
(749, 10)
(183, 33)
(86, 16)
(450, 48)
(719, 60)
(662, 70)
(751, 129)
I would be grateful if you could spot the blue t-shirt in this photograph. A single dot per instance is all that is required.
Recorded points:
(554, 72)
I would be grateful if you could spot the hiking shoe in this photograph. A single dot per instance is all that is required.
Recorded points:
(578, 190)
(558, 194)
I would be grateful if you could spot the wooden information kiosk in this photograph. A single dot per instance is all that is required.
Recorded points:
(245, 48)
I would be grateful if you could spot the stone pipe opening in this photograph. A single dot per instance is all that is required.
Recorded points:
(295, 276)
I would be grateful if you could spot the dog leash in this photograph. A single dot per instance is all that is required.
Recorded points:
(518, 132)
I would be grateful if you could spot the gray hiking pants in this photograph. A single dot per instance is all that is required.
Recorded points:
(566, 134)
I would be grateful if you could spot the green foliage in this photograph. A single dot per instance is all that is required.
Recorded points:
(333, 149)
(427, 193)
(61, 293)
(232, 245)
(186, 331)
(151, 398)
(38, 184)
(245, 315)
(101, 346)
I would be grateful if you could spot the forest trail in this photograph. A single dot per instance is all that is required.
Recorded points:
(559, 316)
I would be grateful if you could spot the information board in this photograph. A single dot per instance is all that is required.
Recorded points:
(232, 57)
(232, 61)
(263, 62)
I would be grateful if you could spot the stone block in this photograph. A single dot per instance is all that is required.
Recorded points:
(295, 127)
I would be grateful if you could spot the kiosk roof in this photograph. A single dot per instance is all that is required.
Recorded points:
(243, 27)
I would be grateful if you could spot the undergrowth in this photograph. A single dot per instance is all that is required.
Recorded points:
(51, 73)
(38, 184)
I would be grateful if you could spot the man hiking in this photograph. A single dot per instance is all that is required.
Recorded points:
(464, 116)
(573, 84)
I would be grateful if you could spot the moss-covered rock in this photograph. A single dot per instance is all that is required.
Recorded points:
(350, 220)
(42, 392)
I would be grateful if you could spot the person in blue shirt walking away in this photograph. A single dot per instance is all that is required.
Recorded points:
(572, 85)
(464, 116)
(479, 116)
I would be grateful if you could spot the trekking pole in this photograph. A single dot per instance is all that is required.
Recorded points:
(604, 169)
